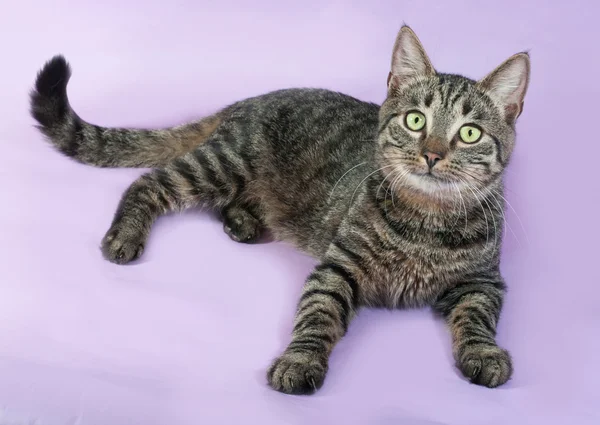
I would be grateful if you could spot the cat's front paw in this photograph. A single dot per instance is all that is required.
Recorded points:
(298, 373)
(122, 244)
(487, 365)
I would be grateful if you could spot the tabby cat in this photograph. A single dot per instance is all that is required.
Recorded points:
(402, 203)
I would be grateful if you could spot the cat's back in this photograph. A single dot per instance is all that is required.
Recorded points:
(290, 126)
(297, 110)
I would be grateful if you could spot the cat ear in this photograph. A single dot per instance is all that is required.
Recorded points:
(508, 83)
(409, 58)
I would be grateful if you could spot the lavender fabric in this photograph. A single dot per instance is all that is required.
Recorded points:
(185, 335)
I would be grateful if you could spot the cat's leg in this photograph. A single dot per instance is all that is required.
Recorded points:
(328, 304)
(241, 225)
(208, 177)
(472, 310)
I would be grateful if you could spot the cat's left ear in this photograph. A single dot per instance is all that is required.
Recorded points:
(508, 84)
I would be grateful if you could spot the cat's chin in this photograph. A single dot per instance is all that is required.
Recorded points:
(430, 184)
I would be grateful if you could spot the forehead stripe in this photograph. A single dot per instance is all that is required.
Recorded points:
(457, 96)
(467, 107)
(428, 99)
(451, 87)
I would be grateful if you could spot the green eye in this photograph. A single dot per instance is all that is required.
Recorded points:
(470, 134)
(415, 121)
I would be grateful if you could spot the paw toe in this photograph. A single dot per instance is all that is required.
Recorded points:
(121, 247)
(489, 366)
(245, 232)
(294, 373)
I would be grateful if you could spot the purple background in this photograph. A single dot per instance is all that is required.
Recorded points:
(185, 335)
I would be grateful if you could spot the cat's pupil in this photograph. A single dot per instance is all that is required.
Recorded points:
(470, 133)
(416, 120)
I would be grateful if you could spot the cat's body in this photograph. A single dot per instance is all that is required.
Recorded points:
(322, 170)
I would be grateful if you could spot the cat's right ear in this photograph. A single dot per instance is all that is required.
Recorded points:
(409, 59)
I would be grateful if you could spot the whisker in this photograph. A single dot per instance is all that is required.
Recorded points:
(464, 172)
(490, 209)
(504, 217)
(343, 175)
(389, 190)
(463, 204)
(481, 181)
(397, 180)
(493, 193)
(517, 215)
(487, 230)
(381, 185)
(363, 180)
(386, 192)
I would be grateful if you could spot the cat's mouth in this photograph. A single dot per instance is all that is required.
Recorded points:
(430, 175)
(435, 181)
(429, 181)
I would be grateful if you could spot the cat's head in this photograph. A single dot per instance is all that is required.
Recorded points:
(442, 133)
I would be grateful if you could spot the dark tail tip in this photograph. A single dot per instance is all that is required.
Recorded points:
(53, 78)
(49, 103)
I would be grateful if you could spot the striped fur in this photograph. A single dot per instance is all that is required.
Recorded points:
(343, 180)
(106, 147)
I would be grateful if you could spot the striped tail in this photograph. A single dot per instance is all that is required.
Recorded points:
(106, 147)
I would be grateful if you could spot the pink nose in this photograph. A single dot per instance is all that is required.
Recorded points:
(432, 158)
